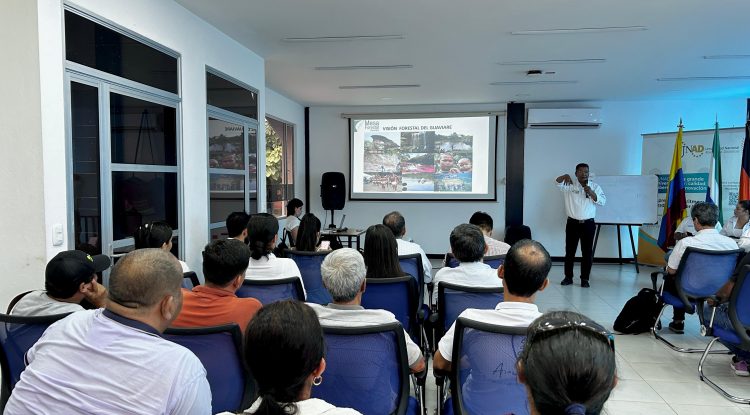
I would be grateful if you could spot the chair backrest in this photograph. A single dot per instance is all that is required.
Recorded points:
(494, 261)
(15, 301)
(270, 291)
(702, 272)
(366, 369)
(453, 299)
(412, 265)
(739, 307)
(397, 295)
(190, 280)
(17, 335)
(219, 348)
(450, 260)
(483, 376)
(309, 266)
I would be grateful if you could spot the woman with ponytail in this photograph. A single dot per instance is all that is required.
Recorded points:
(262, 234)
(567, 365)
(284, 350)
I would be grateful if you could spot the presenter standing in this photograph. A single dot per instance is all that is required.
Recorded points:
(581, 197)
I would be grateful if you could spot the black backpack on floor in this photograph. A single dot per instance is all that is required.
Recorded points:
(639, 313)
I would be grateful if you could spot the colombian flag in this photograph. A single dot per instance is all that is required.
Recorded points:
(745, 170)
(675, 207)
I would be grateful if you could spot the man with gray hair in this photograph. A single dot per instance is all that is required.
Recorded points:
(397, 224)
(113, 360)
(704, 216)
(343, 272)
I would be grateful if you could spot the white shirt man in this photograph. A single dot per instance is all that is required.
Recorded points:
(709, 239)
(474, 274)
(408, 248)
(687, 226)
(577, 205)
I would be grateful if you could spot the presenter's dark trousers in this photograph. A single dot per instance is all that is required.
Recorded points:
(579, 230)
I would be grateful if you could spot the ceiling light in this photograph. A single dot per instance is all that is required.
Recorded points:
(704, 78)
(356, 67)
(341, 38)
(582, 30)
(379, 86)
(532, 82)
(726, 57)
(553, 61)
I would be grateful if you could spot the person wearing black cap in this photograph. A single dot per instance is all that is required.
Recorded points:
(70, 278)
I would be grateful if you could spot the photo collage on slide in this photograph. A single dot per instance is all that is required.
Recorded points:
(422, 161)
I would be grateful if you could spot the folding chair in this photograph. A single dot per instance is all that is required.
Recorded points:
(699, 276)
(219, 348)
(270, 291)
(17, 335)
(309, 266)
(367, 370)
(190, 280)
(739, 315)
(483, 377)
(453, 299)
(397, 295)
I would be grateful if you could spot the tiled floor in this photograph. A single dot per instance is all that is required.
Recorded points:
(653, 379)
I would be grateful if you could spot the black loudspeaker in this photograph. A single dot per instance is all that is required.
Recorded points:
(333, 190)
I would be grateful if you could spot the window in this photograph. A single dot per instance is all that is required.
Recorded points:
(279, 165)
(232, 151)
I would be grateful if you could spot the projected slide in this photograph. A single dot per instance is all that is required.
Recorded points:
(427, 158)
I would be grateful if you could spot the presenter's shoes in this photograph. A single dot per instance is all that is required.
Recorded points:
(585, 284)
(567, 281)
(739, 367)
(677, 326)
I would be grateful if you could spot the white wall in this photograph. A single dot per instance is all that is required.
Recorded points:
(22, 252)
(199, 45)
(428, 223)
(614, 148)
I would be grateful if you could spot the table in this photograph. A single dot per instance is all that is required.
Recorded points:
(350, 234)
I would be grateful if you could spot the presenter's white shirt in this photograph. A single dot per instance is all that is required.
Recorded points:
(577, 205)
(472, 274)
(271, 268)
(38, 303)
(335, 315)
(312, 406)
(709, 239)
(730, 228)
(687, 226)
(510, 313)
(408, 248)
(89, 363)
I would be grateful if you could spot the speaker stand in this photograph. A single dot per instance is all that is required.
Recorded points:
(333, 222)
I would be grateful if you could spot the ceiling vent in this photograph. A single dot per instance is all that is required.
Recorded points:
(564, 118)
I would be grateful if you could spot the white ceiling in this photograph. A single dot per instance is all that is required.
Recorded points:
(455, 46)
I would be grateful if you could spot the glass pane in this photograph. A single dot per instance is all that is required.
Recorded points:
(120, 252)
(139, 197)
(227, 195)
(142, 132)
(279, 162)
(219, 233)
(226, 145)
(252, 186)
(231, 97)
(99, 47)
(84, 111)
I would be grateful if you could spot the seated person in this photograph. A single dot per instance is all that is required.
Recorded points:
(381, 253)
(468, 246)
(113, 360)
(484, 221)
(293, 212)
(343, 273)
(237, 226)
(70, 277)
(397, 224)
(704, 216)
(156, 235)
(524, 273)
(686, 228)
(308, 235)
(215, 303)
(568, 365)
(284, 350)
(739, 223)
(263, 230)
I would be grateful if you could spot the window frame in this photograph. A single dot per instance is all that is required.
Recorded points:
(285, 162)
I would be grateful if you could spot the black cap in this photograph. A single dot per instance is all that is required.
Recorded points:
(70, 268)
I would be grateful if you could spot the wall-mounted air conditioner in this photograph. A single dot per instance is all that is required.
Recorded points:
(563, 118)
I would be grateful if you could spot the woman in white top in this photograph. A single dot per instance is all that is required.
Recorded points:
(156, 235)
(262, 233)
(293, 211)
(284, 349)
(738, 224)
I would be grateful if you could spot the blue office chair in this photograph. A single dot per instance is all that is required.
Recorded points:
(494, 261)
(219, 348)
(309, 266)
(699, 276)
(483, 377)
(739, 315)
(367, 370)
(397, 295)
(270, 291)
(412, 265)
(190, 280)
(450, 261)
(453, 299)
(17, 335)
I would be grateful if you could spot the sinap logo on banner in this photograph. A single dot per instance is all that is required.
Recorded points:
(697, 148)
